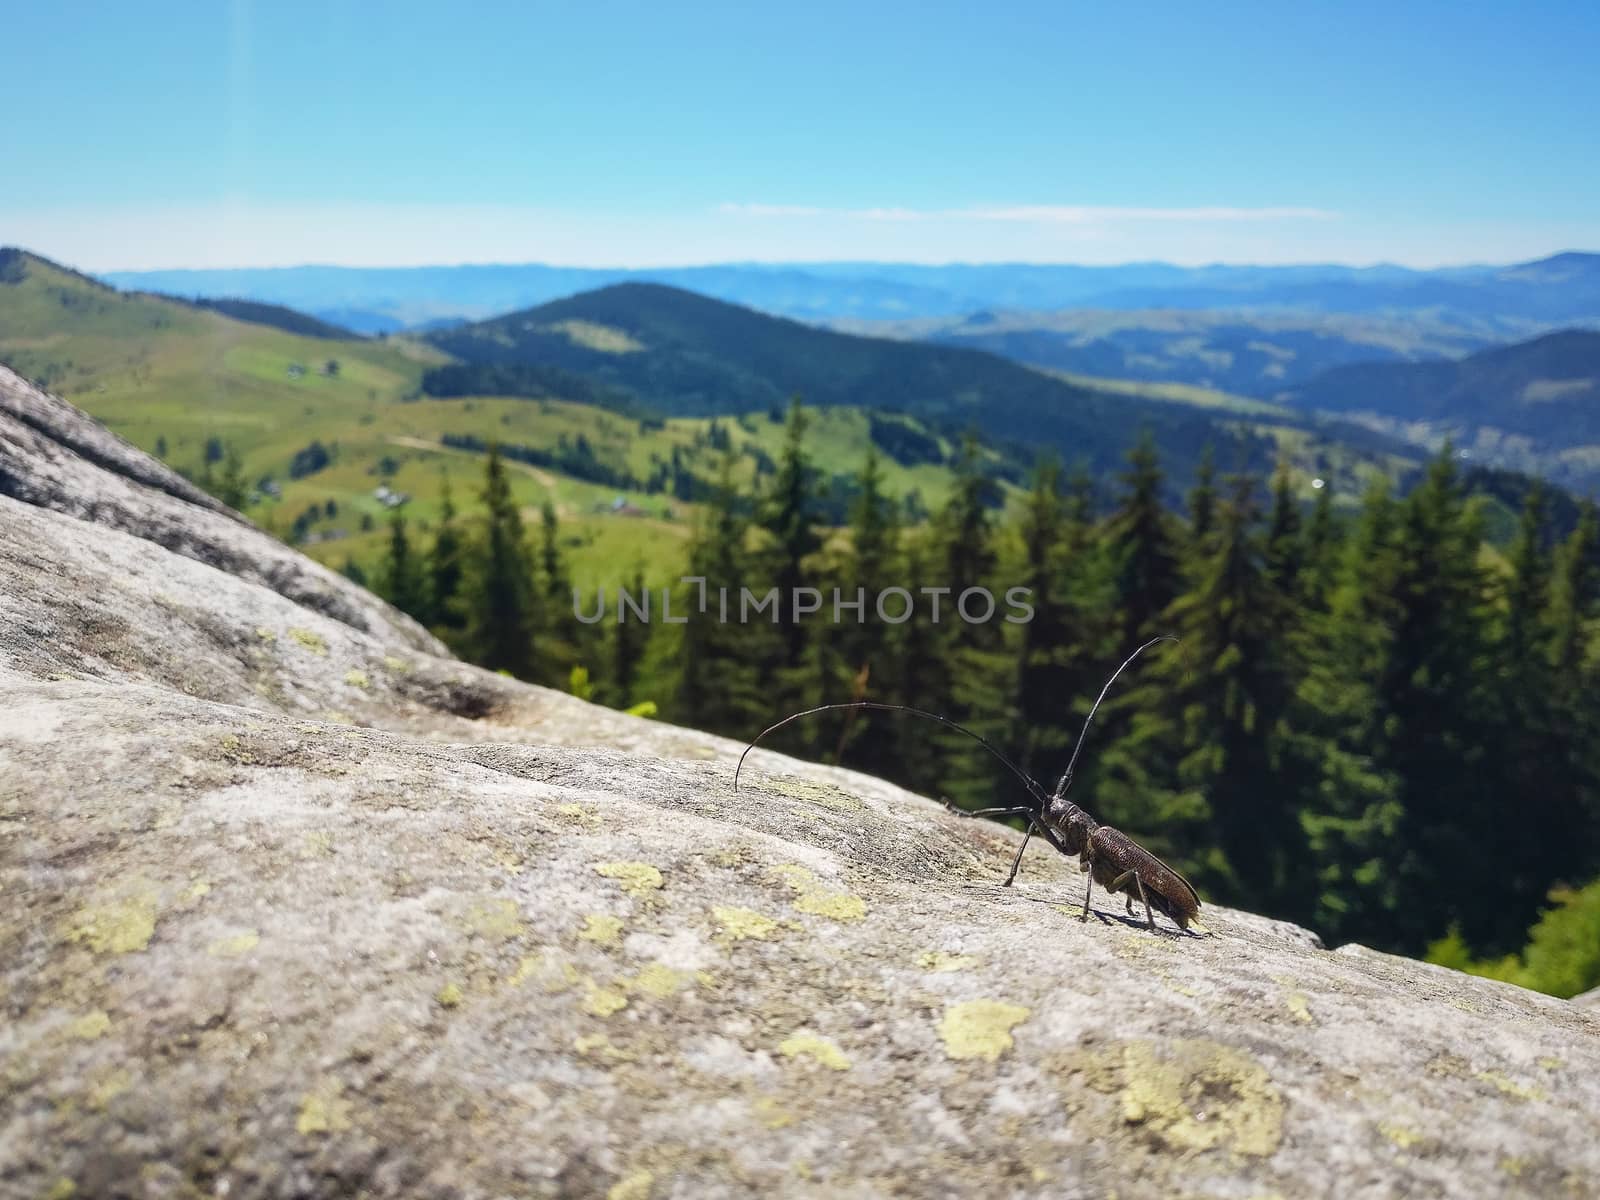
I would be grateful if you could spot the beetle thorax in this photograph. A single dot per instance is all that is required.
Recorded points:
(1071, 824)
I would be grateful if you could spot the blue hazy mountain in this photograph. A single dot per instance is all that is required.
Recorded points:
(1564, 289)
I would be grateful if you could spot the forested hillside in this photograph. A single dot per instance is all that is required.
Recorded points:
(683, 354)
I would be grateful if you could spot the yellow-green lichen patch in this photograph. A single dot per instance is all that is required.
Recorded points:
(940, 961)
(235, 945)
(659, 981)
(980, 1028)
(598, 1045)
(771, 1113)
(578, 813)
(638, 879)
(1300, 1007)
(396, 666)
(197, 890)
(118, 926)
(526, 969)
(1200, 1095)
(90, 1026)
(813, 792)
(737, 924)
(601, 929)
(811, 897)
(108, 1087)
(495, 918)
(62, 1189)
(1551, 1064)
(265, 634)
(635, 1186)
(318, 843)
(1402, 1136)
(1510, 1087)
(1513, 1166)
(820, 1050)
(324, 1109)
(603, 1002)
(450, 995)
(357, 679)
(311, 641)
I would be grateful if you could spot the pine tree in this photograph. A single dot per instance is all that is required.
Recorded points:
(722, 661)
(1058, 648)
(863, 651)
(1536, 758)
(1203, 500)
(231, 488)
(1575, 600)
(445, 566)
(1285, 549)
(629, 645)
(1143, 547)
(502, 609)
(1322, 538)
(400, 579)
(563, 644)
(1432, 728)
(1197, 769)
(981, 675)
(789, 516)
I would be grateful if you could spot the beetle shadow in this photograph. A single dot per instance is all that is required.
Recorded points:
(1164, 926)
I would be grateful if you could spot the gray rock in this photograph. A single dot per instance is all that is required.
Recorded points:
(292, 904)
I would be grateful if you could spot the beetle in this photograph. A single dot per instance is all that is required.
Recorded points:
(1107, 856)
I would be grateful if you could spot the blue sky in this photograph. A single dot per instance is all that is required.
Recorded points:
(246, 134)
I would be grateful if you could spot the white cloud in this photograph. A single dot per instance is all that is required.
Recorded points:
(1052, 214)
(252, 233)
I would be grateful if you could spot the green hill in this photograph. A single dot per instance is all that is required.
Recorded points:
(274, 315)
(1532, 406)
(682, 354)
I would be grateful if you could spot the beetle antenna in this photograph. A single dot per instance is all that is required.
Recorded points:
(1066, 777)
(1034, 790)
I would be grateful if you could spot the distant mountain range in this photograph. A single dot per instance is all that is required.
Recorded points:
(1564, 289)
(1249, 354)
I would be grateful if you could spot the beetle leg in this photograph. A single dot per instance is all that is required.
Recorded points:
(1016, 862)
(1134, 875)
(1088, 890)
(987, 812)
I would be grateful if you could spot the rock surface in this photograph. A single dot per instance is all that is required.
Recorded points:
(291, 904)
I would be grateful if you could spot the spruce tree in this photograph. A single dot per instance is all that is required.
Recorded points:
(1432, 729)
(1575, 600)
(723, 660)
(1203, 500)
(563, 644)
(789, 515)
(1057, 651)
(501, 608)
(400, 580)
(1321, 562)
(630, 640)
(445, 565)
(863, 650)
(1143, 547)
(1285, 548)
(1536, 757)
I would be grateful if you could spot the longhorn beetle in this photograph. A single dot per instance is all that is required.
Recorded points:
(1106, 855)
